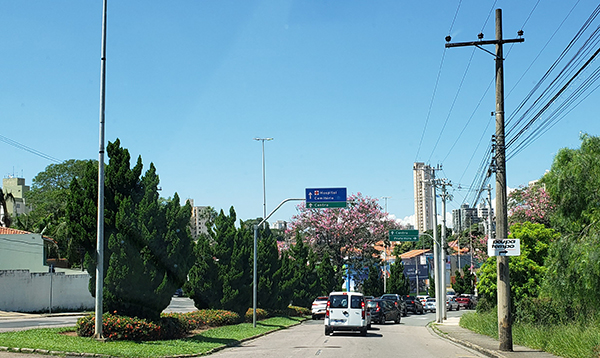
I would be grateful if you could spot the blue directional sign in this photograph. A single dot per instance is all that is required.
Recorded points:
(326, 198)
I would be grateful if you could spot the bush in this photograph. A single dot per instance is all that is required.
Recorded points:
(543, 311)
(169, 326)
(116, 328)
(202, 318)
(291, 311)
(260, 314)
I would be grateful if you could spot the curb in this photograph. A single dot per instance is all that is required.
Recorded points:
(435, 329)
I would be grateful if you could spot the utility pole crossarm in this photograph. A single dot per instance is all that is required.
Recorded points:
(487, 42)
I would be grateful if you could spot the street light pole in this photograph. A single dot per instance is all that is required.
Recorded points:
(263, 172)
(384, 251)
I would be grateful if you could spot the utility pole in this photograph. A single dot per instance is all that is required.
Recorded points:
(502, 268)
(385, 250)
(436, 255)
(445, 195)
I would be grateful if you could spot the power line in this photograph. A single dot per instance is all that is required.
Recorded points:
(28, 149)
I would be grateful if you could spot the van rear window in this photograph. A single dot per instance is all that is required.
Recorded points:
(356, 302)
(338, 301)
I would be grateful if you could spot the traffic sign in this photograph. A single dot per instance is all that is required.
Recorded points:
(326, 195)
(326, 204)
(504, 247)
(404, 235)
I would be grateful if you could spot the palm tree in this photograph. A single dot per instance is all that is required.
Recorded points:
(5, 219)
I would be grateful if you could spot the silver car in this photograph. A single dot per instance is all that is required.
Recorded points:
(429, 305)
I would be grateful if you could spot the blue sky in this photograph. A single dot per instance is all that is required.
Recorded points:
(347, 89)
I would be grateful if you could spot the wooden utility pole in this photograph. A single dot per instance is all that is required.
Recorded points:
(502, 268)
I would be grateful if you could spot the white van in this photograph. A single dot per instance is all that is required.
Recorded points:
(346, 311)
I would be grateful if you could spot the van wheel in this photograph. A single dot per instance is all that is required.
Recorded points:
(382, 320)
(363, 332)
(397, 319)
(328, 331)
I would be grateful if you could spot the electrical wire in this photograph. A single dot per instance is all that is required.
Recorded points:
(28, 149)
(435, 87)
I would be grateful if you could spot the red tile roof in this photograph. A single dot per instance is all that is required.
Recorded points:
(11, 231)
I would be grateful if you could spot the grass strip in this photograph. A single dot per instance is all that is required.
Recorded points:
(51, 339)
(570, 340)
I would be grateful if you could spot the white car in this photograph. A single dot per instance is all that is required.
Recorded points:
(423, 299)
(429, 305)
(319, 306)
(346, 311)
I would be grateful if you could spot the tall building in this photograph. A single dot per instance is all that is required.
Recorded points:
(17, 188)
(198, 219)
(279, 225)
(464, 217)
(423, 197)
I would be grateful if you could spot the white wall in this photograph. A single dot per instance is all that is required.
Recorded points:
(23, 291)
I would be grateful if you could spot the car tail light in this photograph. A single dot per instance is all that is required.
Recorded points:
(362, 306)
(327, 311)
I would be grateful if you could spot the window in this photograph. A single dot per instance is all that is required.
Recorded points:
(338, 301)
(356, 302)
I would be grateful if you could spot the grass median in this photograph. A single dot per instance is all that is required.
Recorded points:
(571, 340)
(64, 340)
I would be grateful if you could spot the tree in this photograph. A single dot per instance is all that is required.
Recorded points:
(373, 285)
(344, 232)
(221, 276)
(573, 269)
(268, 265)
(531, 203)
(465, 283)
(147, 242)
(5, 220)
(398, 282)
(572, 184)
(526, 271)
(326, 273)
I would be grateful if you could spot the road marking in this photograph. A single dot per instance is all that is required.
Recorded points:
(318, 352)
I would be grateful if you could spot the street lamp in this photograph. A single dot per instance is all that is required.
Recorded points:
(384, 250)
(263, 169)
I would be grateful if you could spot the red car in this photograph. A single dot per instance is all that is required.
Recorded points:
(464, 302)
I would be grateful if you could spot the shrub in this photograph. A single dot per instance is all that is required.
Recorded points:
(260, 314)
(202, 318)
(116, 327)
(291, 311)
(169, 326)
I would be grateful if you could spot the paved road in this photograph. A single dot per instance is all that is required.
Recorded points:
(410, 338)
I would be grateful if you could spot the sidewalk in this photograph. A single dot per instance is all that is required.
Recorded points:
(483, 344)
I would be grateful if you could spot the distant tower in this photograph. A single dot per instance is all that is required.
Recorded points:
(423, 197)
(198, 219)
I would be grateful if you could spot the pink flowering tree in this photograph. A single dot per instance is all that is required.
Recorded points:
(347, 234)
(531, 203)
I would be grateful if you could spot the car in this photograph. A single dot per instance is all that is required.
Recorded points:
(413, 305)
(464, 301)
(346, 311)
(398, 301)
(383, 310)
(179, 293)
(423, 299)
(452, 304)
(319, 306)
(430, 305)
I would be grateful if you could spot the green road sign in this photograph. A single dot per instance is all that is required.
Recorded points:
(326, 204)
(404, 235)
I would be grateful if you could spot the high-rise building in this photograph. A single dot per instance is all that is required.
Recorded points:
(422, 174)
(464, 217)
(198, 220)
